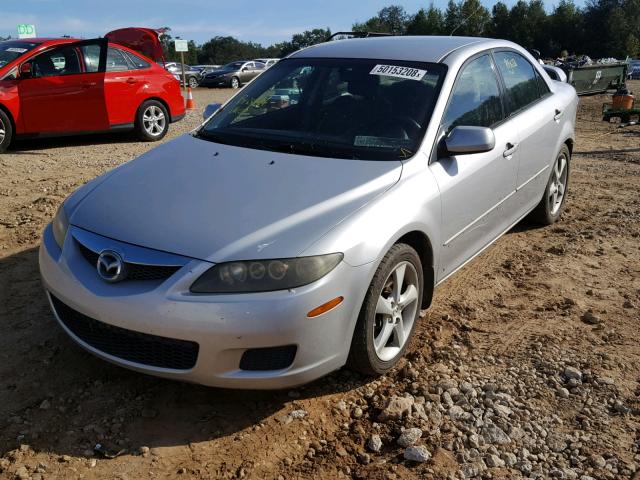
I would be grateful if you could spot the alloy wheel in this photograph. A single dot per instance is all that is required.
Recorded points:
(235, 83)
(153, 120)
(558, 184)
(193, 82)
(3, 132)
(395, 311)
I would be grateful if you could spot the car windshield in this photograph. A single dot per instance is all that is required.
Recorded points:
(232, 66)
(340, 108)
(11, 50)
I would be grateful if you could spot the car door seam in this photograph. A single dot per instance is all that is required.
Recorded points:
(535, 175)
(479, 252)
(467, 227)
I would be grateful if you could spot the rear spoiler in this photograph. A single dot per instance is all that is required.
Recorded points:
(358, 35)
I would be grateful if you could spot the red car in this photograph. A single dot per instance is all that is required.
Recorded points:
(66, 86)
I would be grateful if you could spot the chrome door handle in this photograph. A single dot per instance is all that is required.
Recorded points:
(511, 148)
(558, 114)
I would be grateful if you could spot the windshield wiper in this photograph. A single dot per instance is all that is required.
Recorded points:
(328, 150)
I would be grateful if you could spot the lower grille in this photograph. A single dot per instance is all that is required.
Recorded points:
(134, 271)
(137, 347)
(272, 358)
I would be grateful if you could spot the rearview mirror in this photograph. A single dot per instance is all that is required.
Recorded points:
(25, 70)
(464, 140)
(211, 109)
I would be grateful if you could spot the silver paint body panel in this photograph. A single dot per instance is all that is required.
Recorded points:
(208, 203)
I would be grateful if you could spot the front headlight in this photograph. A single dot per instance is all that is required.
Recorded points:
(265, 275)
(60, 225)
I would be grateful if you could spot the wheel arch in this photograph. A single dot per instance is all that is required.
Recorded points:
(569, 143)
(7, 112)
(157, 99)
(420, 242)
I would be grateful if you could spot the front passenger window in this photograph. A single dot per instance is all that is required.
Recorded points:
(475, 99)
(59, 61)
(91, 54)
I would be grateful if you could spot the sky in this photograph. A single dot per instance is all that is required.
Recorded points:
(261, 21)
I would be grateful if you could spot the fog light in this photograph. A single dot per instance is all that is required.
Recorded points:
(325, 307)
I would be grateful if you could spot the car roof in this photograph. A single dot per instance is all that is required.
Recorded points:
(410, 48)
(44, 40)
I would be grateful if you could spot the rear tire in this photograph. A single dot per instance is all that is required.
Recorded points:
(6, 131)
(389, 313)
(152, 121)
(554, 199)
(235, 83)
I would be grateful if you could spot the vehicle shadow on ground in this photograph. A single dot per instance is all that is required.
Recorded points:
(33, 144)
(59, 399)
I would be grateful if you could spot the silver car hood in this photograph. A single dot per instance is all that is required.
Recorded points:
(217, 202)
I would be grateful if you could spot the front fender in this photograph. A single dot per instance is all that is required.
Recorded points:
(412, 204)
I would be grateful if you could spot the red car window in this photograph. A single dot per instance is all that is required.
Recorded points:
(58, 61)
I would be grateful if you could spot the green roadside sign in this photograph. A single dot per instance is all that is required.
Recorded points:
(26, 30)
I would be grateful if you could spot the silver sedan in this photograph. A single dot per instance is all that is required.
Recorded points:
(282, 240)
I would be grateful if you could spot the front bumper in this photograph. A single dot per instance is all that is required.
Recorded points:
(223, 326)
(215, 82)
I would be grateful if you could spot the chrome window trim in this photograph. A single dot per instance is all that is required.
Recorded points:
(130, 253)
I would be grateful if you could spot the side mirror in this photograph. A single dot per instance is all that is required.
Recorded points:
(464, 140)
(211, 109)
(25, 70)
(245, 69)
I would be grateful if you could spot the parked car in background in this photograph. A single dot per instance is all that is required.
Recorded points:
(268, 62)
(204, 69)
(309, 235)
(634, 70)
(192, 75)
(234, 74)
(65, 86)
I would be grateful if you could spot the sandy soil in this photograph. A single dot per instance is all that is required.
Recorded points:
(512, 321)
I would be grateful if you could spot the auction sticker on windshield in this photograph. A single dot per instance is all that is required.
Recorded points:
(399, 72)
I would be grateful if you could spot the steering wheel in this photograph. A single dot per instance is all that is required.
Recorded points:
(408, 124)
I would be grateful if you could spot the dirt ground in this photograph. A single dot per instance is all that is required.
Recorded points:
(511, 329)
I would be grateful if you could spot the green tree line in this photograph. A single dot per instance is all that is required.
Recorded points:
(602, 28)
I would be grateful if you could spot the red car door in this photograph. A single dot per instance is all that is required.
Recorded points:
(65, 91)
(124, 85)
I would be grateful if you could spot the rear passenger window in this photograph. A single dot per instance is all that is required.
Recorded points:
(475, 99)
(136, 61)
(116, 61)
(520, 79)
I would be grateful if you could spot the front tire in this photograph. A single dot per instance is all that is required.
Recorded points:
(6, 131)
(389, 312)
(553, 201)
(193, 82)
(235, 83)
(152, 121)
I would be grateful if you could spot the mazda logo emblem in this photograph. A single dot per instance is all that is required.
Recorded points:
(110, 266)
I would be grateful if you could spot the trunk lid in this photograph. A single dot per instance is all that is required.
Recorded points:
(143, 40)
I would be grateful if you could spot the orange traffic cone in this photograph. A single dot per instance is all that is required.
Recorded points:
(190, 104)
